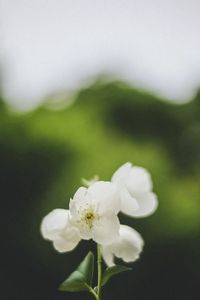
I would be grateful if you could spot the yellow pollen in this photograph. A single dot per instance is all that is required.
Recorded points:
(89, 218)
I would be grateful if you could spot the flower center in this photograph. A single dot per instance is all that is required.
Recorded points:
(89, 217)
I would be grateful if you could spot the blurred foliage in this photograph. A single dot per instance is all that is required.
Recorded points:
(45, 153)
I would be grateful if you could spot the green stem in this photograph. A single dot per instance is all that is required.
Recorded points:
(99, 271)
(90, 289)
(97, 293)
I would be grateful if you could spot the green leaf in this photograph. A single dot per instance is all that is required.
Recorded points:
(87, 267)
(111, 271)
(80, 279)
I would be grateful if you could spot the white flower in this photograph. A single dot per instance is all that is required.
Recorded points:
(56, 227)
(94, 212)
(135, 188)
(127, 246)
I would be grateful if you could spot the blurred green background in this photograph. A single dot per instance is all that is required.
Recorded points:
(45, 153)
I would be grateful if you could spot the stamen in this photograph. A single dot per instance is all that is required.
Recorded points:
(89, 218)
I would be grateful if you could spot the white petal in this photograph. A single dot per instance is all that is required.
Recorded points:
(147, 205)
(84, 230)
(53, 223)
(130, 245)
(61, 246)
(107, 255)
(78, 201)
(122, 173)
(106, 229)
(68, 241)
(127, 247)
(129, 205)
(139, 181)
(80, 193)
(105, 196)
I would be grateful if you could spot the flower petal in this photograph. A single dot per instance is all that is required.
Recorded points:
(67, 241)
(129, 205)
(147, 205)
(105, 196)
(78, 201)
(84, 230)
(130, 244)
(106, 229)
(53, 223)
(127, 247)
(107, 255)
(80, 193)
(122, 173)
(139, 181)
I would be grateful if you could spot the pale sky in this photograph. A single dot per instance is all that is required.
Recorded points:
(53, 45)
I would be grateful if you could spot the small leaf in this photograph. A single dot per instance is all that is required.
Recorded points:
(111, 271)
(74, 283)
(87, 267)
(80, 279)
